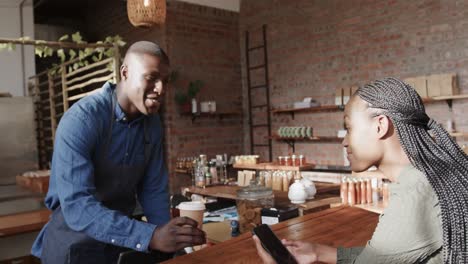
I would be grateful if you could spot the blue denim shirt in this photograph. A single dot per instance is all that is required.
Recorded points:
(79, 141)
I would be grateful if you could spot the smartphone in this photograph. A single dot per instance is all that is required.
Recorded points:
(273, 245)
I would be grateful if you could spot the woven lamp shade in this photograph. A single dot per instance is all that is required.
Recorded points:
(146, 13)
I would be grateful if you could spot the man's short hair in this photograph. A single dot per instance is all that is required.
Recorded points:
(150, 48)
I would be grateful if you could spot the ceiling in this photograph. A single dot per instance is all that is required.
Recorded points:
(61, 11)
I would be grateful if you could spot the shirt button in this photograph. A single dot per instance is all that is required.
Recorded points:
(124, 119)
(126, 154)
(113, 240)
(138, 246)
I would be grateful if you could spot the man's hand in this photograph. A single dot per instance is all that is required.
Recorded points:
(179, 233)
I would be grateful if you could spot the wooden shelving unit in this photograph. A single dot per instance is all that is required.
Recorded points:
(273, 166)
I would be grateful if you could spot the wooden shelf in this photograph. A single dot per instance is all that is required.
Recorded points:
(459, 134)
(273, 166)
(446, 97)
(310, 139)
(315, 109)
(219, 115)
(182, 171)
(316, 139)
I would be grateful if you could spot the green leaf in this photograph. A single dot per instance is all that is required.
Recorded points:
(11, 47)
(88, 51)
(76, 37)
(76, 65)
(81, 54)
(48, 51)
(70, 69)
(109, 53)
(94, 58)
(64, 37)
(72, 54)
(3, 46)
(110, 66)
(39, 51)
(61, 54)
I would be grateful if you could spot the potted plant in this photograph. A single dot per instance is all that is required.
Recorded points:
(185, 100)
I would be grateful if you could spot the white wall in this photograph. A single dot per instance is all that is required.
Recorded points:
(18, 143)
(231, 5)
(11, 62)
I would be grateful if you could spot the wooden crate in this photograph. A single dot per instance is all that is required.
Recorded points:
(38, 184)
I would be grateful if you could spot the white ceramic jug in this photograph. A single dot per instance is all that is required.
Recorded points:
(309, 187)
(297, 193)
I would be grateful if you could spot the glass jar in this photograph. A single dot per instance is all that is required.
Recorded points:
(280, 160)
(302, 160)
(250, 201)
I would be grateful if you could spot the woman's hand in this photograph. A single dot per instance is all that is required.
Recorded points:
(303, 252)
(266, 258)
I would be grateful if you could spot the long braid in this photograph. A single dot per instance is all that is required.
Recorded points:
(439, 157)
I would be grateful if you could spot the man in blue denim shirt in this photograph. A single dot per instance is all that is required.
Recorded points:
(108, 152)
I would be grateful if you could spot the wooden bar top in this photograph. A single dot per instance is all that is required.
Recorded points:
(339, 226)
(327, 193)
(230, 191)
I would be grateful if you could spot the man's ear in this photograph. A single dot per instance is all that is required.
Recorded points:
(383, 126)
(123, 72)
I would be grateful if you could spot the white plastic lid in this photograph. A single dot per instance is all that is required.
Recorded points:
(192, 206)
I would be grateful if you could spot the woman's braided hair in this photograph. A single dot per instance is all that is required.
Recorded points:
(440, 158)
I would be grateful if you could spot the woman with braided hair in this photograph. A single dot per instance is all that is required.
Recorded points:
(427, 215)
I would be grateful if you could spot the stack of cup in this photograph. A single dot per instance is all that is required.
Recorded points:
(193, 210)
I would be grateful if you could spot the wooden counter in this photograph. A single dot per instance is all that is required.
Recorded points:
(327, 193)
(23, 222)
(340, 226)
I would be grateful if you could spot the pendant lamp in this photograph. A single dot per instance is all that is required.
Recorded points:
(146, 13)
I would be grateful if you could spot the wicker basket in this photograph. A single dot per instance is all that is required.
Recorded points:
(146, 13)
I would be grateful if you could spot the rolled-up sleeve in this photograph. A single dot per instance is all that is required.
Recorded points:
(73, 173)
(153, 193)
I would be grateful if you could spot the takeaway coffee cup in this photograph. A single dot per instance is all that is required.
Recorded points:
(193, 210)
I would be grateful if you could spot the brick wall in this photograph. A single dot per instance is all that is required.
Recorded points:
(317, 46)
(202, 43)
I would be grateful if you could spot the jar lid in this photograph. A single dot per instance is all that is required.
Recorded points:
(254, 192)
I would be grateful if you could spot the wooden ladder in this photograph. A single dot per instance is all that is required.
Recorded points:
(266, 87)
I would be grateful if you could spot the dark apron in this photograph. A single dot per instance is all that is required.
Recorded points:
(115, 189)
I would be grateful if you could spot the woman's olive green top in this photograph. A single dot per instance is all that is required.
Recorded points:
(410, 228)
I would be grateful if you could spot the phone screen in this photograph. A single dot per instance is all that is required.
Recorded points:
(273, 245)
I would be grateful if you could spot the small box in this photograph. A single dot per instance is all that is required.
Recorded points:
(339, 96)
(419, 84)
(448, 84)
(433, 85)
(346, 95)
(271, 216)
